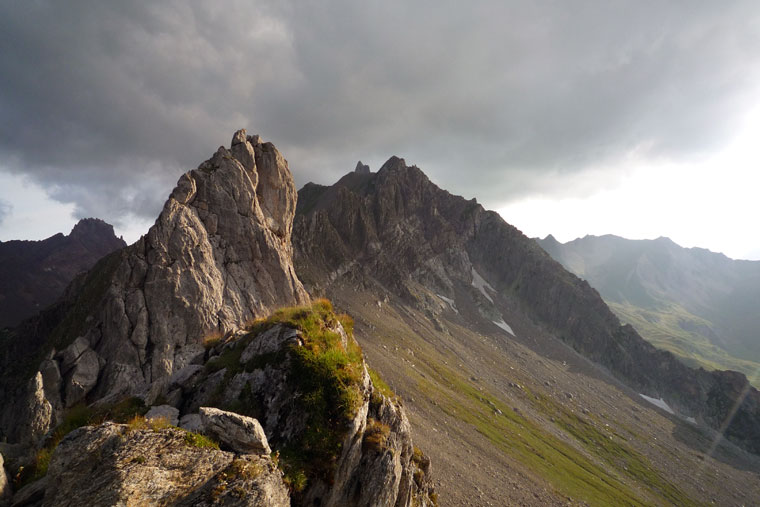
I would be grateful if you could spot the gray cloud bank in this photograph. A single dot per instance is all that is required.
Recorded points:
(5, 210)
(105, 103)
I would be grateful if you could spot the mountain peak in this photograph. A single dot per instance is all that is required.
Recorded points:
(92, 226)
(361, 168)
(394, 163)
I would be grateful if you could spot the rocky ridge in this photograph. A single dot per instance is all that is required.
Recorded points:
(395, 232)
(33, 274)
(177, 322)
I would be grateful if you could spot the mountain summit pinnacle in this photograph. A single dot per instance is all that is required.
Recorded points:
(361, 168)
(218, 256)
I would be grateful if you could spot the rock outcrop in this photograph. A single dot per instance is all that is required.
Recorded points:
(310, 390)
(396, 232)
(218, 256)
(156, 467)
(33, 274)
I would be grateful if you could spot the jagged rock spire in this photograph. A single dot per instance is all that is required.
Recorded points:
(219, 255)
(361, 168)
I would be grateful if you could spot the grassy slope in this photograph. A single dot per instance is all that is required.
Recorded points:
(601, 477)
(580, 456)
(662, 328)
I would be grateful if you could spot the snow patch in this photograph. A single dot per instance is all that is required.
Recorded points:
(479, 283)
(660, 403)
(504, 326)
(450, 302)
(691, 420)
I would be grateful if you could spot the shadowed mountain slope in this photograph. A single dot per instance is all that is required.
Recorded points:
(444, 277)
(33, 274)
(698, 304)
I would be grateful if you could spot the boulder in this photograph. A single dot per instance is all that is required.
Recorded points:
(71, 354)
(185, 376)
(167, 412)
(240, 433)
(191, 422)
(271, 340)
(146, 467)
(31, 494)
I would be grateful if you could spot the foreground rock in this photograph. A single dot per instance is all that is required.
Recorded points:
(337, 439)
(341, 441)
(242, 434)
(147, 467)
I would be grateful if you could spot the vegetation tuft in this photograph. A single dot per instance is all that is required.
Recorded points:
(200, 441)
(326, 374)
(376, 436)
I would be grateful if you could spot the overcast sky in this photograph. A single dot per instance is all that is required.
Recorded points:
(637, 118)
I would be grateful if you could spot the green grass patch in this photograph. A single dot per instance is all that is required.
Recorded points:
(610, 447)
(326, 374)
(380, 385)
(376, 435)
(662, 327)
(200, 441)
(566, 468)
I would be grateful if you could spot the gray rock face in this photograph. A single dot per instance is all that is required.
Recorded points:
(382, 473)
(242, 434)
(146, 467)
(5, 487)
(83, 377)
(271, 340)
(167, 412)
(361, 168)
(191, 422)
(218, 256)
(30, 495)
(36, 411)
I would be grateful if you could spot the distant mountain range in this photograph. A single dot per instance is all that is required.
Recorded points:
(33, 274)
(700, 305)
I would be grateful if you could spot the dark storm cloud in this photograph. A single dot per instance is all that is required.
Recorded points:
(105, 103)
